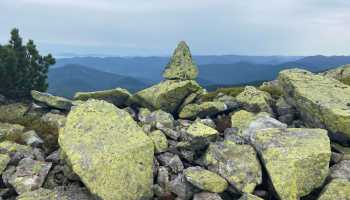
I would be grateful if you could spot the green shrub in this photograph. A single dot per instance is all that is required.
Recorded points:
(22, 68)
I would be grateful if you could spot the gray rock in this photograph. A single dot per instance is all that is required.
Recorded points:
(172, 161)
(159, 116)
(31, 138)
(52, 101)
(117, 96)
(206, 196)
(29, 175)
(182, 188)
(341, 170)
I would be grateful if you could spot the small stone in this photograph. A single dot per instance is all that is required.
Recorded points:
(159, 140)
(199, 135)
(143, 114)
(159, 116)
(206, 109)
(182, 188)
(17, 152)
(249, 197)
(29, 175)
(52, 101)
(181, 65)
(31, 138)
(171, 160)
(4, 160)
(172, 134)
(205, 180)
(206, 196)
(11, 132)
(336, 157)
(341, 170)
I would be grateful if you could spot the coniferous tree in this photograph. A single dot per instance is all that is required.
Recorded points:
(22, 68)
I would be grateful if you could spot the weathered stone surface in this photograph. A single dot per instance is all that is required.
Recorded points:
(59, 193)
(248, 123)
(182, 188)
(255, 100)
(272, 87)
(167, 95)
(17, 152)
(117, 96)
(52, 101)
(4, 160)
(238, 164)
(206, 196)
(322, 102)
(172, 161)
(206, 109)
(345, 151)
(32, 139)
(249, 197)
(341, 73)
(286, 113)
(143, 114)
(159, 140)
(12, 132)
(109, 151)
(199, 135)
(159, 116)
(341, 170)
(205, 180)
(296, 160)
(181, 65)
(30, 175)
(337, 189)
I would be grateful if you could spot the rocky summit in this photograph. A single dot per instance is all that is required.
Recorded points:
(287, 139)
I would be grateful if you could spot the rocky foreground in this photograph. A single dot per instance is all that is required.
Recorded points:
(166, 142)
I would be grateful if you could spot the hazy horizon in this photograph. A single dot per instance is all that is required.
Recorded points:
(153, 28)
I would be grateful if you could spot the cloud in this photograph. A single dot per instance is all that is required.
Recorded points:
(153, 27)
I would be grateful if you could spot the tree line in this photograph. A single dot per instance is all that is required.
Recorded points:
(22, 68)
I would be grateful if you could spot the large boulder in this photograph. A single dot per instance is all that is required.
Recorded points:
(296, 160)
(255, 100)
(336, 189)
(51, 101)
(238, 164)
(181, 65)
(341, 73)
(117, 96)
(322, 102)
(167, 95)
(109, 152)
(206, 109)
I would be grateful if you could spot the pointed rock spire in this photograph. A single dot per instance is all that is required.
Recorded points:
(181, 66)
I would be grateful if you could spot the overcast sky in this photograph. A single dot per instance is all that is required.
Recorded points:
(153, 27)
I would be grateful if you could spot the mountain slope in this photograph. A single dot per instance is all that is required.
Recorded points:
(67, 80)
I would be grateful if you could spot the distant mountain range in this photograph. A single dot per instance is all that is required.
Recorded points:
(134, 73)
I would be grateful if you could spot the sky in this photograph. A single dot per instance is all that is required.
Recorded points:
(154, 27)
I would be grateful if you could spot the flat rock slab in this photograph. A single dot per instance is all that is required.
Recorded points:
(167, 95)
(322, 102)
(108, 151)
(296, 160)
(52, 101)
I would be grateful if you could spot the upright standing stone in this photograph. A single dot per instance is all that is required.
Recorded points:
(108, 151)
(181, 66)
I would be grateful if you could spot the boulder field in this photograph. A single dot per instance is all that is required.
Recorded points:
(285, 140)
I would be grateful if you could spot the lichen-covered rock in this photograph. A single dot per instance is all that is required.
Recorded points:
(249, 197)
(143, 114)
(12, 132)
(109, 151)
(181, 65)
(117, 96)
(255, 100)
(59, 193)
(322, 102)
(286, 113)
(344, 151)
(199, 135)
(159, 116)
(205, 180)
(182, 188)
(296, 160)
(30, 175)
(272, 87)
(31, 138)
(206, 109)
(167, 95)
(341, 170)
(17, 152)
(341, 73)
(52, 101)
(248, 123)
(337, 189)
(206, 196)
(159, 140)
(4, 160)
(172, 161)
(238, 164)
